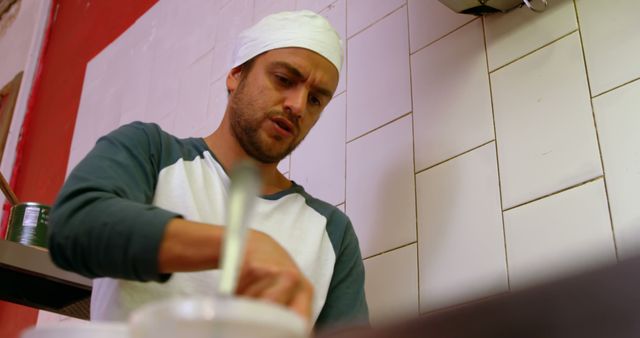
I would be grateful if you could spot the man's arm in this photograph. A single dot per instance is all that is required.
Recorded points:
(103, 223)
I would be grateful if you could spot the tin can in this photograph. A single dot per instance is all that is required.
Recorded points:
(28, 224)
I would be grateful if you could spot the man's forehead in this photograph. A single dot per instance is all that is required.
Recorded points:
(302, 59)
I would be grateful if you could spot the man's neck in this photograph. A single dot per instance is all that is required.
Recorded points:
(229, 152)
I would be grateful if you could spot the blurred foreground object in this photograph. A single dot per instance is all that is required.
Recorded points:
(601, 303)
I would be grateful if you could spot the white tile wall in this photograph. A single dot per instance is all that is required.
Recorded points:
(362, 13)
(611, 41)
(193, 98)
(319, 162)
(167, 64)
(222, 3)
(451, 97)
(189, 30)
(545, 134)
(559, 235)
(431, 20)
(234, 17)
(460, 233)
(391, 298)
(166, 123)
(263, 8)
(544, 123)
(135, 98)
(314, 5)
(378, 85)
(618, 120)
(381, 189)
(217, 104)
(285, 165)
(512, 35)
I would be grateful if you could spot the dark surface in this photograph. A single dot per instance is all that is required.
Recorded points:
(601, 303)
(52, 295)
(28, 277)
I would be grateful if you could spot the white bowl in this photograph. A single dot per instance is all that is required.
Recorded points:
(220, 317)
(78, 330)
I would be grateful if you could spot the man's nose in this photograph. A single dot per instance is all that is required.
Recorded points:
(296, 101)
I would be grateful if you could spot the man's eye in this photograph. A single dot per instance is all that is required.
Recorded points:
(284, 80)
(315, 101)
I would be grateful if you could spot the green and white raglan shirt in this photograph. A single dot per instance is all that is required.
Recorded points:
(110, 217)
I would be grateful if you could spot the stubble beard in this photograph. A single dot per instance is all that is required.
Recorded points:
(246, 128)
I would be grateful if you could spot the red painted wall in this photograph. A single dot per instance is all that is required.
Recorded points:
(14, 318)
(81, 29)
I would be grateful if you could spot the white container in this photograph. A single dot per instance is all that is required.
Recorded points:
(78, 330)
(221, 317)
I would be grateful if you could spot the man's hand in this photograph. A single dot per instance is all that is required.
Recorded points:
(269, 273)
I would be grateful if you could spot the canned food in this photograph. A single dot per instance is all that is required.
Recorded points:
(28, 224)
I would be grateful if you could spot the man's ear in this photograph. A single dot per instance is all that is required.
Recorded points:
(233, 78)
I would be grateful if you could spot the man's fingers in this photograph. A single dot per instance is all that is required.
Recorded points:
(278, 287)
(302, 301)
(251, 276)
(286, 287)
(283, 290)
(255, 289)
(269, 273)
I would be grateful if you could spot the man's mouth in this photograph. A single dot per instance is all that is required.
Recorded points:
(285, 126)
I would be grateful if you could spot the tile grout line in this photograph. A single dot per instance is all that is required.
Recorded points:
(415, 201)
(403, 115)
(390, 250)
(442, 37)
(253, 12)
(378, 128)
(413, 158)
(455, 157)
(495, 136)
(453, 307)
(349, 37)
(332, 4)
(595, 127)
(577, 185)
(346, 102)
(616, 87)
(533, 51)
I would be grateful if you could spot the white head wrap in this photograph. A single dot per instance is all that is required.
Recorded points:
(304, 29)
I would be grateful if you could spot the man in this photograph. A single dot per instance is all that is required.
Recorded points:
(145, 210)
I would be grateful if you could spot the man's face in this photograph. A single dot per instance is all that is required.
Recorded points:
(274, 103)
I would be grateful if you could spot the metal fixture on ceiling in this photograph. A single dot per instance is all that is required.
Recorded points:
(482, 7)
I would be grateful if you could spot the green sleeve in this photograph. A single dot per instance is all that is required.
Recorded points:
(346, 303)
(102, 223)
